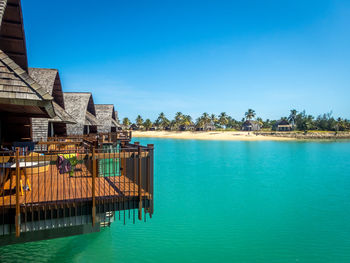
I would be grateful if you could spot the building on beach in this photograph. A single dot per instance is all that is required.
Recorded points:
(206, 127)
(190, 127)
(249, 125)
(283, 125)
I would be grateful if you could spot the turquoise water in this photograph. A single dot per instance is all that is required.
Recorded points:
(222, 201)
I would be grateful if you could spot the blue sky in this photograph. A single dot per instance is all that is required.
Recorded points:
(195, 56)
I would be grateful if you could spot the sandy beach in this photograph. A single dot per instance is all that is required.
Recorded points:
(213, 135)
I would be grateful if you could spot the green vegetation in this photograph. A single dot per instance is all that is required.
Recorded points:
(298, 121)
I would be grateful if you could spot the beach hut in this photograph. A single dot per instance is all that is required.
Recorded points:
(249, 125)
(135, 127)
(80, 105)
(283, 125)
(105, 113)
(206, 127)
(44, 127)
(21, 97)
(190, 127)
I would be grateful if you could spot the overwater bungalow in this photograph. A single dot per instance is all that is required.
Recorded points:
(42, 128)
(21, 98)
(76, 186)
(251, 126)
(106, 115)
(80, 105)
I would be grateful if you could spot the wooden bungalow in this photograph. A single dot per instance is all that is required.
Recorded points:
(44, 127)
(206, 127)
(106, 115)
(187, 127)
(80, 105)
(135, 127)
(251, 126)
(21, 97)
(283, 125)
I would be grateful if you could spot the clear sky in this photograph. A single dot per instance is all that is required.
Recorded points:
(197, 56)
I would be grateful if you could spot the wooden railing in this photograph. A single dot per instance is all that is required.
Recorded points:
(101, 137)
(43, 188)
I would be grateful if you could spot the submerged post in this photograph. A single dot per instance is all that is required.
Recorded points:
(93, 187)
(18, 215)
(150, 175)
(140, 182)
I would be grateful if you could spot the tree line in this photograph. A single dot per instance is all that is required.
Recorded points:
(298, 120)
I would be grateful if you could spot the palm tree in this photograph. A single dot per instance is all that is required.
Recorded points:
(147, 124)
(178, 119)
(162, 121)
(260, 121)
(213, 119)
(187, 120)
(205, 117)
(139, 121)
(250, 114)
(292, 117)
(200, 122)
(223, 119)
(126, 122)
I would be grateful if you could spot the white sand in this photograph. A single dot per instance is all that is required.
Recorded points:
(212, 135)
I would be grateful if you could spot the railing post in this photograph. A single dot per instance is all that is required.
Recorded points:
(151, 177)
(18, 215)
(93, 187)
(140, 182)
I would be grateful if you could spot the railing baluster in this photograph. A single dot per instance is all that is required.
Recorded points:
(140, 182)
(93, 187)
(18, 215)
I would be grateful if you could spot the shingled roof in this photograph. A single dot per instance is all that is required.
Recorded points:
(80, 106)
(18, 88)
(61, 115)
(106, 115)
(46, 78)
(12, 37)
(50, 80)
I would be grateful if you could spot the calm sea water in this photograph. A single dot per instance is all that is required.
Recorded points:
(227, 202)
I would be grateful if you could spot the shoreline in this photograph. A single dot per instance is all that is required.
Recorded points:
(239, 135)
(210, 135)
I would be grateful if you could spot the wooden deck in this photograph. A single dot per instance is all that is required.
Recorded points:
(51, 187)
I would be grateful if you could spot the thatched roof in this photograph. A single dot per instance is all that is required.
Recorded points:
(12, 37)
(106, 115)
(20, 93)
(283, 122)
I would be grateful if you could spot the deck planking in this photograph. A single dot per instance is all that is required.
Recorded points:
(53, 187)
